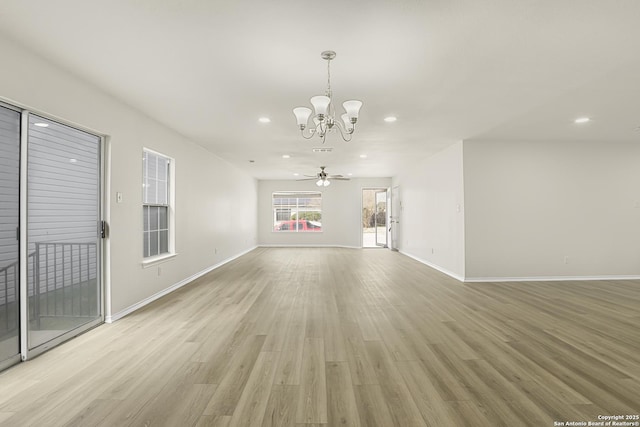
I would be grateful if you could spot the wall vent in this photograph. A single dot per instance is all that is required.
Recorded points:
(323, 150)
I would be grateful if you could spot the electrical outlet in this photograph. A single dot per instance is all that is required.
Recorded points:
(118, 197)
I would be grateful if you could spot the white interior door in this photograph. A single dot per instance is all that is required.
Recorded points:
(394, 218)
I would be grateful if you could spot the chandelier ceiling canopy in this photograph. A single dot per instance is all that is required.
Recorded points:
(324, 119)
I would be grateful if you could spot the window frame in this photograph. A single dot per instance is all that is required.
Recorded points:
(296, 195)
(150, 260)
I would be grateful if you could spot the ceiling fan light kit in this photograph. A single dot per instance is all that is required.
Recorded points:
(324, 119)
(323, 179)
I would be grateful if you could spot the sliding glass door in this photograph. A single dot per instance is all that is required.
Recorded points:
(50, 191)
(63, 217)
(9, 239)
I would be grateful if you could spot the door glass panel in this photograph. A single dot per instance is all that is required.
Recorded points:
(63, 215)
(395, 217)
(381, 218)
(9, 243)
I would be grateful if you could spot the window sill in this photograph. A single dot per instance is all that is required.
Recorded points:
(151, 261)
(293, 231)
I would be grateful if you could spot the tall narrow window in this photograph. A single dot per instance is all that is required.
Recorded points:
(156, 203)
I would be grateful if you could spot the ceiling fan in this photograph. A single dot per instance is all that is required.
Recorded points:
(322, 178)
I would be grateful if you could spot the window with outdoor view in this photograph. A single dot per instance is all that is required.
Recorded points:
(297, 212)
(156, 204)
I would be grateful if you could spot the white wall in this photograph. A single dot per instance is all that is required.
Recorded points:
(432, 217)
(215, 202)
(531, 204)
(341, 212)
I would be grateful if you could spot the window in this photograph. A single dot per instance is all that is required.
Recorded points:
(297, 212)
(157, 204)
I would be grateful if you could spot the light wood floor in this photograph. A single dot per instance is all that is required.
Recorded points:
(292, 337)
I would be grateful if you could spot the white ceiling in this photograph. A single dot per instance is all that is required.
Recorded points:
(450, 70)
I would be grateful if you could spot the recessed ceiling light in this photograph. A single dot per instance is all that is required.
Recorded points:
(286, 156)
(582, 120)
(73, 160)
(41, 125)
(390, 119)
(296, 174)
(264, 120)
(363, 156)
(350, 174)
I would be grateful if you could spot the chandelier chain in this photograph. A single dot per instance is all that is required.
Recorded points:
(329, 78)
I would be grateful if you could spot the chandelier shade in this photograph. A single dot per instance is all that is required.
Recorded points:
(302, 115)
(323, 116)
(320, 104)
(352, 108)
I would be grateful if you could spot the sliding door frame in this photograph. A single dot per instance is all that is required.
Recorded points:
(16, 358)
(25, 352)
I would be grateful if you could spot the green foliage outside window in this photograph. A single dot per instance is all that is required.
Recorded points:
(309, 216)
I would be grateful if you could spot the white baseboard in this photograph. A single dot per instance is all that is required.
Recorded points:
(435, 266)
(134, 307)
(308, 246)
(547, 278)
(519, 279)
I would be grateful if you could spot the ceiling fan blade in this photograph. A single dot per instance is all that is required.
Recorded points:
(306, 179)
(335, 176)
(340, 179)
(311, 176)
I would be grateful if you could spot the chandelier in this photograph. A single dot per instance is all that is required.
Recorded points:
(324, 119)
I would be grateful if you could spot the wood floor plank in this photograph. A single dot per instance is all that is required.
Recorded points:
(342, 408)
(281, 408)
(290, 364)
(277, 331)
(433, 408)
(335, 348)
(462, 413)
(255, 396)
(95, 413)
(372, 406)
(331, 336)
(401, 406)
(312, 399)
(184, 407)
(226, 397)
(214, 421)
(362, 371)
